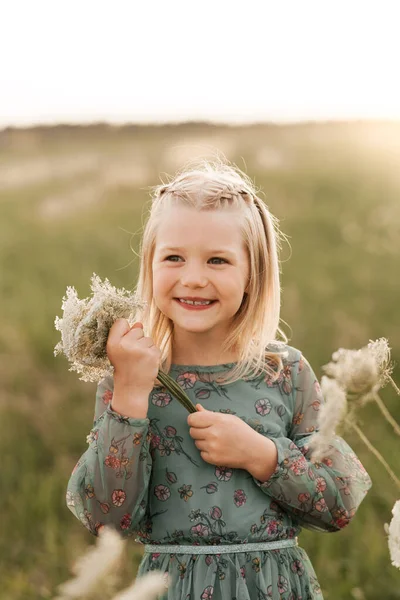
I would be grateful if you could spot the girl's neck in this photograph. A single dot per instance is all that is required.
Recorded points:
(203, 358)
(203, 351)
(205, 362)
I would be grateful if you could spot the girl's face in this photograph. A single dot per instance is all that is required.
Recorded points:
(200, 255)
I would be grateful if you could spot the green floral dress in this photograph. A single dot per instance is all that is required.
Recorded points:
(146, 478)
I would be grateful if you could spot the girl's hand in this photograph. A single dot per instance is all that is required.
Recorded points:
(227, 441)
(134, 357)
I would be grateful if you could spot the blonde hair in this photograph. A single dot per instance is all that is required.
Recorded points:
(220, 186)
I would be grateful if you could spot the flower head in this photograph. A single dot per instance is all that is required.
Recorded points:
(95, 565)
(330, 415)
(361, 372)
(86, 323)
(146, 587)
(393, 530)
(355, 370)
(380, 350)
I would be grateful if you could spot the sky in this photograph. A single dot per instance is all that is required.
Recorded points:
(118, 61)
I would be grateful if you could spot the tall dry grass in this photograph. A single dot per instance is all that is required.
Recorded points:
(335, 187)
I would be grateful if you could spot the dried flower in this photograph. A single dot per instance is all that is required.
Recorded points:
(85, 327)
(355, 370)
(361, 372)
(393, 530)
(95, 565)
(381, 352)
(86, 324)
(146, 587)
(330, 415)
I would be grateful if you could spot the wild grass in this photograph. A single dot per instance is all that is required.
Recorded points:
(335, 188)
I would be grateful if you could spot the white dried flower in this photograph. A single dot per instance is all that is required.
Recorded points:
(355, 370)
(330, 415)
(393, 530)
(380, 350)
(363, 371)
(146, 587)
(86, 323)
(95, 565)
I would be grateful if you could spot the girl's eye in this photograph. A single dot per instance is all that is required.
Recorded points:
(172, 256)
(218, 258)
(176, 256)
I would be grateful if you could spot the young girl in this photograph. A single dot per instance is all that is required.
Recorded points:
(217, 497)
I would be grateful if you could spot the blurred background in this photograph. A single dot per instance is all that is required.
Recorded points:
(100, 100)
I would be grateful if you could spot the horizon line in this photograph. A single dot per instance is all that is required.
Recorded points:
(207, 122)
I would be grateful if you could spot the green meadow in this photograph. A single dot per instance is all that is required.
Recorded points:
(73, 201)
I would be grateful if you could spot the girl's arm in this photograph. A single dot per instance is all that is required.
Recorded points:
(325, 495)
(109, 483)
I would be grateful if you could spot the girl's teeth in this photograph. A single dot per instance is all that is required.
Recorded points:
(195, 302)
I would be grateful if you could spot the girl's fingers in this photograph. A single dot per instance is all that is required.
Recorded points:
(196, 434)
(118, 329)
(201, 445)
(136, 331)
(147, 342)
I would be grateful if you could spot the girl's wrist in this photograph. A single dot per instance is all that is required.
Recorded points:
(264, 458)
(130, 402)
(134, 411)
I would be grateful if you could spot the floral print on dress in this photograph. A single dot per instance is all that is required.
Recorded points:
(162, 492)
(263, 407)
(185, 492)
(166, 441)
(161, 398)
(223, 473)
(206, 383)
(170, 476)
(211, 488)
(146, 478)
(107, 397)
(239, 497)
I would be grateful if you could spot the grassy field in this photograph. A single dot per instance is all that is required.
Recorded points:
(73, 201)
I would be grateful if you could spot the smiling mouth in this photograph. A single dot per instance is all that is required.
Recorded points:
(195, 306)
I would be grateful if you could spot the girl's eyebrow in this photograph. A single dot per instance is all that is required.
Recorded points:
(175, 249)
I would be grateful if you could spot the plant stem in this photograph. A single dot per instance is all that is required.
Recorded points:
(394, 385)
(387, 414)
(378, 455)
(176, 391)
(179, 393)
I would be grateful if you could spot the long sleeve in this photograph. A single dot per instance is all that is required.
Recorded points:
(323, 495)
(109, 483)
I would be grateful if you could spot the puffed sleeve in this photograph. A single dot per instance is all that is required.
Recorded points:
(323, 495)
(109, 483)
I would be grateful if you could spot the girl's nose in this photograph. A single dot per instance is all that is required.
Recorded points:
(194, 277)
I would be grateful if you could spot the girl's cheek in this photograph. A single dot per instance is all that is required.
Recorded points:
(162, 283)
